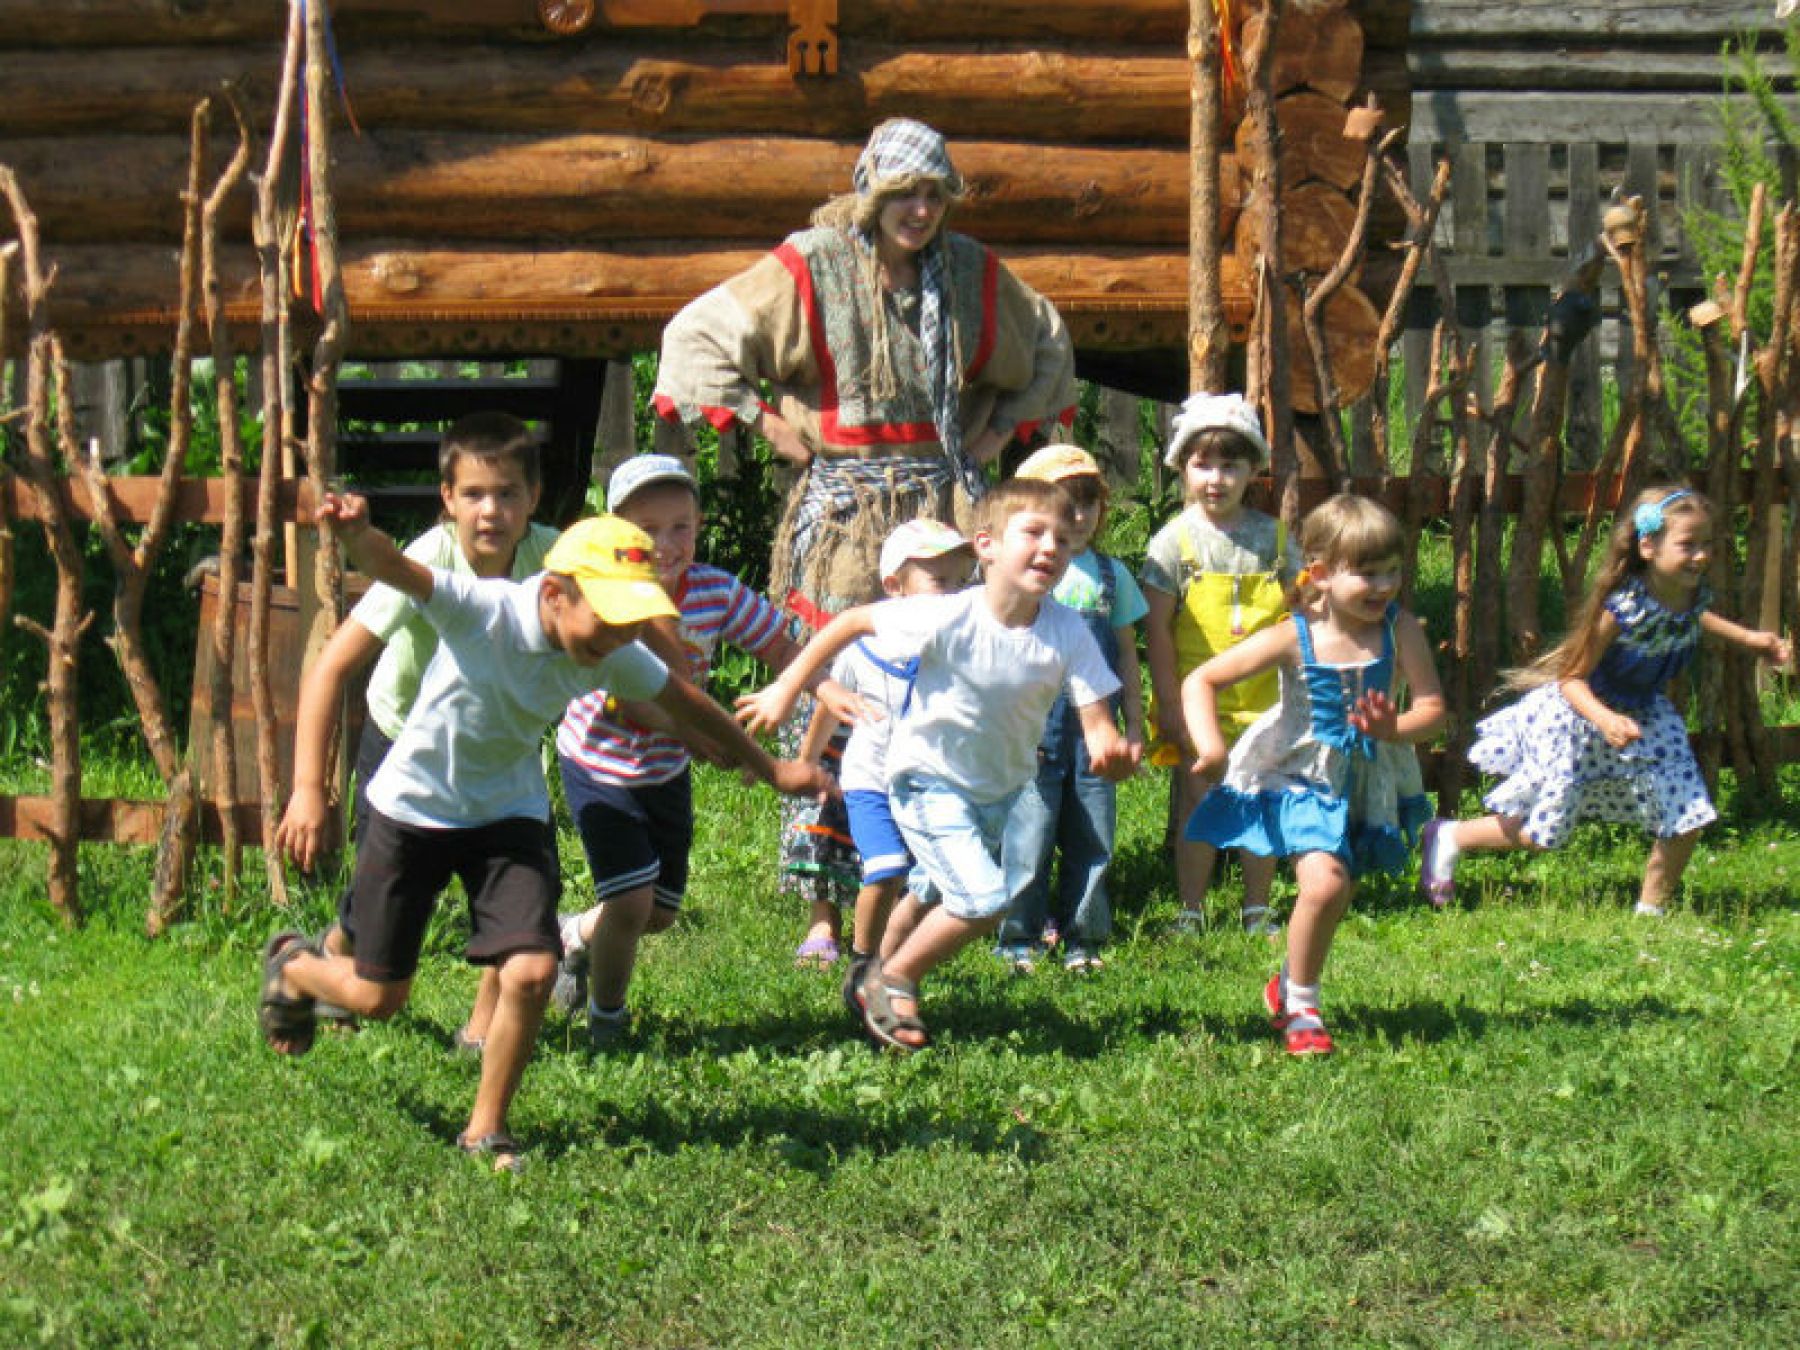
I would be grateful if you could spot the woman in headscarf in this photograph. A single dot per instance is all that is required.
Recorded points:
(899, 359)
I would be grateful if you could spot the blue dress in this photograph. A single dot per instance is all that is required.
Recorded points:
(1303, 780)
(1558, 767)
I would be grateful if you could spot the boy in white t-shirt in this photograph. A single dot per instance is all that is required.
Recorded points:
(462, 791)
(921, 557)
(992, 660)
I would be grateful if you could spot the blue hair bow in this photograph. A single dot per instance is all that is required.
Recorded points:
(1648, 518)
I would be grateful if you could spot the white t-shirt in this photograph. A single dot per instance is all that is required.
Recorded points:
(408, 639)
(469, 752)
(983, 690)
(882, 681)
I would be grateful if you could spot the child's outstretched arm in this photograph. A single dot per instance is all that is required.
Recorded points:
(769, 707)
(301, 833)
(374, 553)
(1618, 730)
(1200, 691)
(691, 708)
(1771, 647)
(1377, 715)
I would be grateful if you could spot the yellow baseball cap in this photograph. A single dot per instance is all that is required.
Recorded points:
(614, 564)
(1053, 463)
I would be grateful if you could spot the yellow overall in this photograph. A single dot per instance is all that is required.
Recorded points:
(1219, 610)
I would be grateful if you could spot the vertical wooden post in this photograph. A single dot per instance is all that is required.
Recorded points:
(231, 538)
(266, 229)
(321, 385)
(1271, 324)
(1208, 339)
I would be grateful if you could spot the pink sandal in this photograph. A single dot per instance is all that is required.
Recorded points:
(817, 953)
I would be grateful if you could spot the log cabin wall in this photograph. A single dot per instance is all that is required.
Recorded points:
(1546, 107)
(518, 192)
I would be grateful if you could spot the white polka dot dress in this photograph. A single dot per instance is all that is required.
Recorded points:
(1558, 769)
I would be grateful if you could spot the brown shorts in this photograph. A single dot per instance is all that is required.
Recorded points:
(508, 870)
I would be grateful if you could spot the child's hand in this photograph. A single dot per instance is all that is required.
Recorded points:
(1374, 715)
(802, 778)
(301, 834)
(1619, 730)
(1209, 764)
(348, 511)
(1773, 648)
(1118, 760)
(1170, 728)
(844, 705)
(766, 709)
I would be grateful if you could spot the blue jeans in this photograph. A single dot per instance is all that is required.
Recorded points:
(1071, 809)
(956, 842)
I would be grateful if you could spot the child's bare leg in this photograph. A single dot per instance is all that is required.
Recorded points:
(1325, 890)
(1194, 862)
(333, 979)
(1662, 874)
(874, 903)
(481, 1012)
(937, 937)
(525, 980)
(612, 942)
(1259, 882)
(900, 925)
(1487, 834)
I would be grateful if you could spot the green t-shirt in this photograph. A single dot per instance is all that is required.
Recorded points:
(409, 637)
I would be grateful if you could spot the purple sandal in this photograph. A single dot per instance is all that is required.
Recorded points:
(817, 953)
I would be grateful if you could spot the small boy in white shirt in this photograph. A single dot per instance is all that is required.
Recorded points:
(992, 660)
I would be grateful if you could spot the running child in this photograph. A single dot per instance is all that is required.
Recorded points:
(1213, 576)
(625, 775)
(1596, 737)
(921, 557)
(992, 660)
(1328, 776)
(489, 482)
(1067, 808)
(462, 793)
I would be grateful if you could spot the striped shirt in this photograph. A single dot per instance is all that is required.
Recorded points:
(715, 607)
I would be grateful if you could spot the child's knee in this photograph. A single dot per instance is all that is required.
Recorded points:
(378, 1000)
(661, 919)
(531, 974)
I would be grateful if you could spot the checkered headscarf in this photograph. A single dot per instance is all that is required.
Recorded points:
(902, 148)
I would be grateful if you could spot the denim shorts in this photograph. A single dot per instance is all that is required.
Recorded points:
(956, 841)
(878, 840)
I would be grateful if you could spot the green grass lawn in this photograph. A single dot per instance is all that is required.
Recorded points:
(1548, 1121)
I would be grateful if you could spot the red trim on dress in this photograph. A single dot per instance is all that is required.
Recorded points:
(806, 611)
(797, 268)
(721, 418)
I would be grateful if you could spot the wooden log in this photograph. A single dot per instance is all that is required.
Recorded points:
(1316, 221)
(1320, 52)
(597, 187)
(1208, 340)
(1080, 95)
(142, 22)
(1313, 144)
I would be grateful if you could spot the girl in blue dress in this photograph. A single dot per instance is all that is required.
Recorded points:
(1596, 737)
(1328, 776)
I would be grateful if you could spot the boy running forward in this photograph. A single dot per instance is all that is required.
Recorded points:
(921, 557)
(992, 660)
(489, 481)
(462, 793)
(625, 776)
